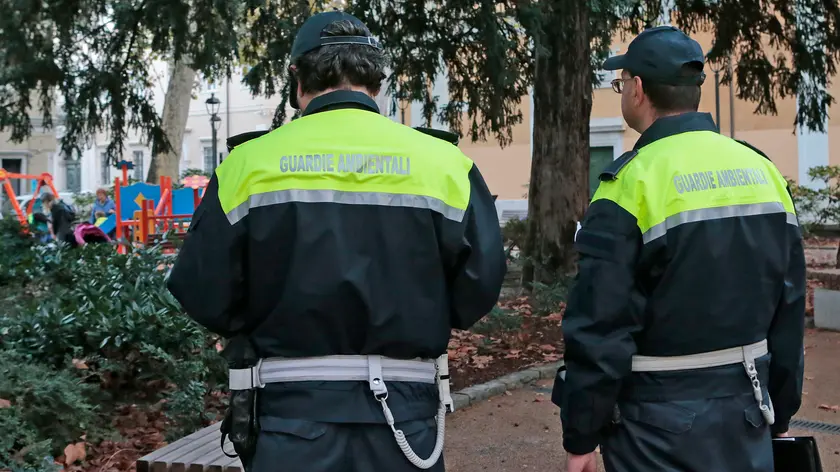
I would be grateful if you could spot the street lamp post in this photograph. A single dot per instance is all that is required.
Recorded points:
(731, 98)
(213, 104)
(717, 96)
(716, 70)
(401, 103)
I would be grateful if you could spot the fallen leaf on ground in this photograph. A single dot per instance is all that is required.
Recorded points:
(74, 452)
(829, 408)
(539, 398)
(79, 364)
(548, 347)
(5, 403)
(808, 378)
(481, 362)
(555, 316)
(551, 357)
(513, 354)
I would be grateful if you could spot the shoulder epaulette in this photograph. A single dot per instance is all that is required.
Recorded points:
(447, 136)
(612, 170)
(234, 141)
(754, 149)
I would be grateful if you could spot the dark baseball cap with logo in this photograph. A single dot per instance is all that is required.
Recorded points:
(311, 36)
(659, 54)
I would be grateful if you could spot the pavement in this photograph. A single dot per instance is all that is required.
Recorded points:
(519, 430)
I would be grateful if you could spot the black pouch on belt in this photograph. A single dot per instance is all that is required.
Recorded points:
(241, 422)
(559, 383)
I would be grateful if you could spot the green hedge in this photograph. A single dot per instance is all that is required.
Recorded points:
(83, 331)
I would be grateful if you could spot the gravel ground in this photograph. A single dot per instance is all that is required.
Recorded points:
(520, 431)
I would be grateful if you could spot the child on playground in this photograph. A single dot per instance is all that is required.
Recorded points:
(100, 218)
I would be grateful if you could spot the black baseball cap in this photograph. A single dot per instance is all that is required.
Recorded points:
(658, 55)
(310, 35)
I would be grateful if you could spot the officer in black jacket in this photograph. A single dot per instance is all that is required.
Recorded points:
(343, 247)
(684, 331)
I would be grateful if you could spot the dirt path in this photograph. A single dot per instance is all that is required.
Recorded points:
(520, 431)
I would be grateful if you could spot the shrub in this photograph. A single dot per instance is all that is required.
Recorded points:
(114, 311)
(547, 299)
(513, 235)
(109, 317)
(818, 206)
(499, 320)
(18, 264)
(43, 411)
(191, 172)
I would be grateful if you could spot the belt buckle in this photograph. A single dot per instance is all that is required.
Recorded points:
(256, 380)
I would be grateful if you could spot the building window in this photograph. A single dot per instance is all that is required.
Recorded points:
(73, 173)
(599, 158)
(137, 160)
(105, 171)
(209, 161)
(13, 166)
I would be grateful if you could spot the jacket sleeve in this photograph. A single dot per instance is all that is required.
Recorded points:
(599, 323)
(208, 276)
(786, 340)
(477, 257)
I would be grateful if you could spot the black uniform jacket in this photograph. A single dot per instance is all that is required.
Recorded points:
(318, 279)
(707, 285)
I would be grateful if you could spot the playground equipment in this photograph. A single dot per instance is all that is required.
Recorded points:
(6, 182)
(145, 212)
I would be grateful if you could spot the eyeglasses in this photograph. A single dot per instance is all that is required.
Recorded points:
(618, 84)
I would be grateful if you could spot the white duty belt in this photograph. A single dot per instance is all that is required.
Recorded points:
(376, 370)
(745, 355)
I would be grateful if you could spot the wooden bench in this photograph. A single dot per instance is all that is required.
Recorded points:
(198, 452)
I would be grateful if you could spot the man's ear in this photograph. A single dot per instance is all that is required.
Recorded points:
(638, 90)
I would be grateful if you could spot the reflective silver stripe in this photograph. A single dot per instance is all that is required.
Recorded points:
(706, 214)
(330, 368)
(734, 355)
(347, 198)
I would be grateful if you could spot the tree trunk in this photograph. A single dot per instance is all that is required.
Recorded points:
(558, 190)
(176, 109)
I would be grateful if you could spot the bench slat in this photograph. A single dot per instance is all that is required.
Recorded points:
(144, 464)
(234, 466)
(198, 452)
(210, 462)
(163, 463)
(181, 464)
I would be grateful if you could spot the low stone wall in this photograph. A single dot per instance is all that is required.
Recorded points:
(829, 277)
(826, 298)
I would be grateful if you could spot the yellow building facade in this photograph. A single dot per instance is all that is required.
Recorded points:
(507, 170)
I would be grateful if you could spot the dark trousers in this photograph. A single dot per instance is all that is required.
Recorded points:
(693, 421)
(719, 434)
(292, 445)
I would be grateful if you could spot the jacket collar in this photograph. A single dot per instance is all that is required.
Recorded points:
(671, 125)
(339, 99)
